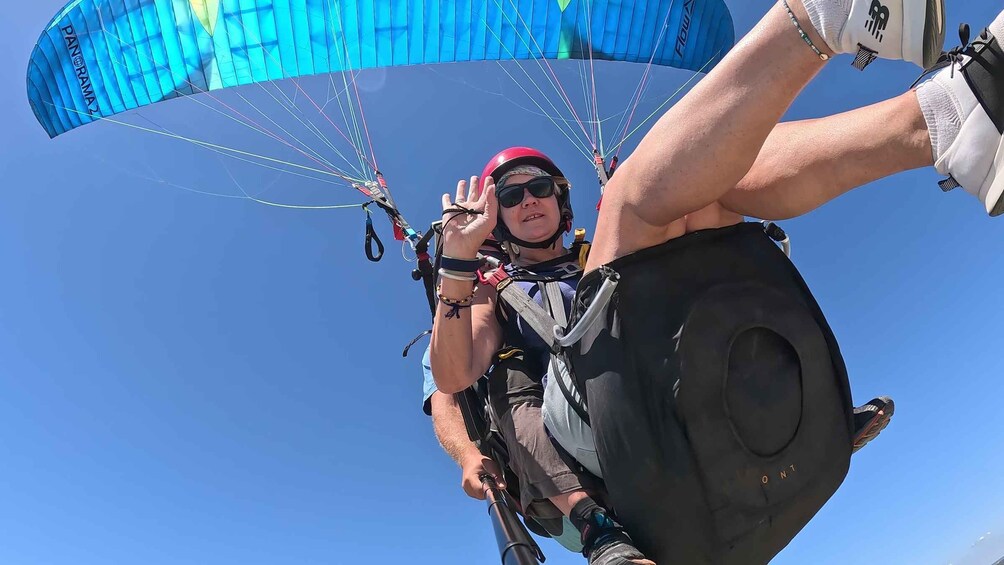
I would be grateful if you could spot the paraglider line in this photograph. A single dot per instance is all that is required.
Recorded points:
(575, 143)
(345, 63)
(597, 131)
(222, 148)
(226, 154)
(541, 92)
(289, 105)
(164, 182)
(362, 118)
(663, 105)
(636, 97)
(306, 95)
(306, 147)
(261, 128)
(540, 62)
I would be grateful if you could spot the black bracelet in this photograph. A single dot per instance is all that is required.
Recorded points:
(459, 265)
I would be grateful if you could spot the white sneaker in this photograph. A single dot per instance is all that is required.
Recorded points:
(912, 30)
(965, 104)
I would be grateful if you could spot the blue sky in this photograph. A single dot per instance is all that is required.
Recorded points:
(195, 379)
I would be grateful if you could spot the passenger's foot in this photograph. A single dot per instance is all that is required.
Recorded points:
(912, 30)
(870, 419)
(604, 541)
(963, 105)
(615, 548)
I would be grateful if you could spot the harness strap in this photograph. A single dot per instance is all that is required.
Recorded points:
(537, 317)
(555, 303)
(534, 315)
(545, 319)
(372, 238)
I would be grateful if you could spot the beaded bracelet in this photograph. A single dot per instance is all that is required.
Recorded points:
(456, 305)
(805, 36)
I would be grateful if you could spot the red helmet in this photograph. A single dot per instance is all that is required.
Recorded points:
(507, 160)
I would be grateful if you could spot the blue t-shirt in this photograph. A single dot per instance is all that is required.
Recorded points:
(517, 332)
(428, 384)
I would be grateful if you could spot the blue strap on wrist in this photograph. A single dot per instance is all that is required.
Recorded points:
(460, 265)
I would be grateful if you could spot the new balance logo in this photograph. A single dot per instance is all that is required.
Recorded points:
(879, 15)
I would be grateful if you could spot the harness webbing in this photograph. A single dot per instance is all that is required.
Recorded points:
(544, 319)
(555, 303)
(538, 319)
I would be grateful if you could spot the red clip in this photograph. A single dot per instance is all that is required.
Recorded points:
(495, 278)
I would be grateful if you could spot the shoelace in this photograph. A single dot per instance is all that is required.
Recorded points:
(956, 56)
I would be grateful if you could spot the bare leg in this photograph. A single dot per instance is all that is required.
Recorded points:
(805, 164)
(565, 502)
(702, 147)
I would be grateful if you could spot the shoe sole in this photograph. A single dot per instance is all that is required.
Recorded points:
(996, 194)
(874, 427)
(994, 198)
(933, 40)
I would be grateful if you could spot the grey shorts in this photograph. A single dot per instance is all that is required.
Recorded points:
(542, 468)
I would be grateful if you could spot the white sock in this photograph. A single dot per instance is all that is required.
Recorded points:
(946, 100)
(828, 17)
(943, 113)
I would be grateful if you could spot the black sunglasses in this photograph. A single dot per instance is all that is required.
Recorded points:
(510, 195)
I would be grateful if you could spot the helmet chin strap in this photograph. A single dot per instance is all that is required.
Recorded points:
(540, 244)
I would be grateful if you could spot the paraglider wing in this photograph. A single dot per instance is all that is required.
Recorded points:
(98, 58)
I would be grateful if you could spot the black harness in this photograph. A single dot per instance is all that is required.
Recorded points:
(716, 393)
